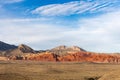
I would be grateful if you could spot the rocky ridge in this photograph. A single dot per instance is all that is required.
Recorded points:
(25, 49)
(59, 54)
(5, 46)
(64, 50)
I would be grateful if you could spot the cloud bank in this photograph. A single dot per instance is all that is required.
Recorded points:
(100, 34)
(76, 7)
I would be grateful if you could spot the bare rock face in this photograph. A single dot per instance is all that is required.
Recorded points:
(25, 49)
(62, 47)
(71, 48)
(75, 48)
(90, 57)
(40, 57)
(64, 50)
(75, 57)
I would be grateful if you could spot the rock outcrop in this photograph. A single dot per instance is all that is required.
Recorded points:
(60, 53)
(42, 57)
(64, 50)
(74, 57)
(25, 49)
(91, 57)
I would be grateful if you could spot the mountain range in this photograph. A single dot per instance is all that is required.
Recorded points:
(58, 54)
(5, 46)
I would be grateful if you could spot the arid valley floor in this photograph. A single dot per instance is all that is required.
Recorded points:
(35, 70)
(60, 63)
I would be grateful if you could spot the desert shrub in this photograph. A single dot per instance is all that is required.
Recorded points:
(92, 78)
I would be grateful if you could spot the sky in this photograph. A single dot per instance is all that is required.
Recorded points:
(93, 25)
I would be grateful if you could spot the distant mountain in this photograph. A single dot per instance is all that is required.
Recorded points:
(12, 50)
(25, 49)
(5, 46)
(61, 53)
(63, 50)
(21, 50)
(68, 48)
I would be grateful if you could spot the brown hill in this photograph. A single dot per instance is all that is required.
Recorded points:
(67, 48)
(25, 49)
(21, 50)
(64, 50)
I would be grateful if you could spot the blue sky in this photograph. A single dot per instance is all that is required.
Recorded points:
(43, 24)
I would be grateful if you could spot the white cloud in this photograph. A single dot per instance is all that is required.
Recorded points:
(100, 33)
(24, 20)
(32, 32)
(57, 9)
(76, 7)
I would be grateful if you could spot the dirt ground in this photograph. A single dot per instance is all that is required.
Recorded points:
(34, 70)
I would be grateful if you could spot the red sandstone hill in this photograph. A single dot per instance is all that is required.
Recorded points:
(59, 54)
(76, 57)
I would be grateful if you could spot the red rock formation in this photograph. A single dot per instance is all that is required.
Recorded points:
(42, 57)
(74, 57)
